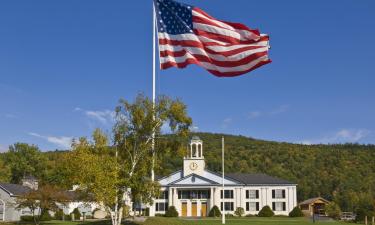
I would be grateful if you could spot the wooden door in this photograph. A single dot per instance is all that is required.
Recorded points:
(204, 209)
(184, 209)
(194, 209)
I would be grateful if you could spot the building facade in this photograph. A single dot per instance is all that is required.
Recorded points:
(194, 190)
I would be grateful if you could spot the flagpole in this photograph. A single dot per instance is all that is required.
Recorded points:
(223, 202)
(153, 87)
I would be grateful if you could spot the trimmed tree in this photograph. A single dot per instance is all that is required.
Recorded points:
(214, 212)
(239, 212)
(172, 212)
(266, 211)
(296, 212)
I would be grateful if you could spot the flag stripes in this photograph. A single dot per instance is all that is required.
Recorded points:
(224, 49)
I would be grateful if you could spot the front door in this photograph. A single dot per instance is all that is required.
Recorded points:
(194, 209)
(204, 209)
(184, 209)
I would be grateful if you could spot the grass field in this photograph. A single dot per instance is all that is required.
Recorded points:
(208, 221)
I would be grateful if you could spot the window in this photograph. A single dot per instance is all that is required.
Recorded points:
(252, 194)
(252, 206)
(278, 193)
(229, 206)
(183, 194)
(163, 195)
(227, 194)
(278, 206)
(195, 194)
(161, 206)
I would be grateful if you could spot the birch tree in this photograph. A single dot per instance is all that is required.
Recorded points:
(119, 172)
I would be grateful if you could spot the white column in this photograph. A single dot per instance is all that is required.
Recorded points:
(211, 199)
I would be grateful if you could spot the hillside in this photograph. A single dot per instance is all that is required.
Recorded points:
(345, 173)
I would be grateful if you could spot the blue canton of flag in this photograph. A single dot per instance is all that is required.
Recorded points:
(173, 17)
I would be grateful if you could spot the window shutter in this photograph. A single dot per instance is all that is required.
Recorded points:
(221, 194)
(247, 193)
(273, 193)
(166, 207)
(221, 206)
(257, 194)
(247, 206)
(273, 206)
(283, 193)
(257, 206)
(284, 206)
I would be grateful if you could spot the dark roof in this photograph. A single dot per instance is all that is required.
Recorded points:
(313, 200)
(15, 189)
(257, 178)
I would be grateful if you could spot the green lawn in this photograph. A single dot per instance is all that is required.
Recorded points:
(207, 221)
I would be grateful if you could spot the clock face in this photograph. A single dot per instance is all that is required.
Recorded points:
(193, 166)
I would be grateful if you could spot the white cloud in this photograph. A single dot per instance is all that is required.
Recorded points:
(280, 109)
(341, 136)
(105, 117)
(257, 113)
(61, 141)
(226, 122)
(254, 114)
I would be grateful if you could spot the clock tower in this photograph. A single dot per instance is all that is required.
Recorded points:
(194, 161)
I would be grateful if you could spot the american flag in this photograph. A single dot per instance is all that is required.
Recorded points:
(188, 35)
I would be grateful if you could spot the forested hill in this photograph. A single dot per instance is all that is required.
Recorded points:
(345, 173)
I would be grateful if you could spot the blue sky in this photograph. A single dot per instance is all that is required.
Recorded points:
(65, 64)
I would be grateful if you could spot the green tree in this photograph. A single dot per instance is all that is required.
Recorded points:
(5, 173)
(333, 210)
(24, 159)
(118, 174)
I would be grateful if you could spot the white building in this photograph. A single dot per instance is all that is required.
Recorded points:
(194, 190)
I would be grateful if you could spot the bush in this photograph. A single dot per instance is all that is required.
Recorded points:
(250, 215)
(27, 218)
(172, 212)
(59, 214)
(77, 214)
(266, 211)
(361, 213)
(214, 212)
(296, 212)
(45, 216)
(160, 215)
(333, 210)
(239, 212)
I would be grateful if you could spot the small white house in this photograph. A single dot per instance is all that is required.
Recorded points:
(194, 190)
(8, 199)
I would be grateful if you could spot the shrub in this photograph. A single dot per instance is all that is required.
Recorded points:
(77, 214)
(59, 214)
(362, 212)
(214, 212)
(27, 218)
(160, 215)
(45, 216)
(296, 212)
(333, 210)
(266, 211)
(250, 215)
(172, 212)
(239, 211)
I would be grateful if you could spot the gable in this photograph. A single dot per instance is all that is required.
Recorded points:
(194, 179)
